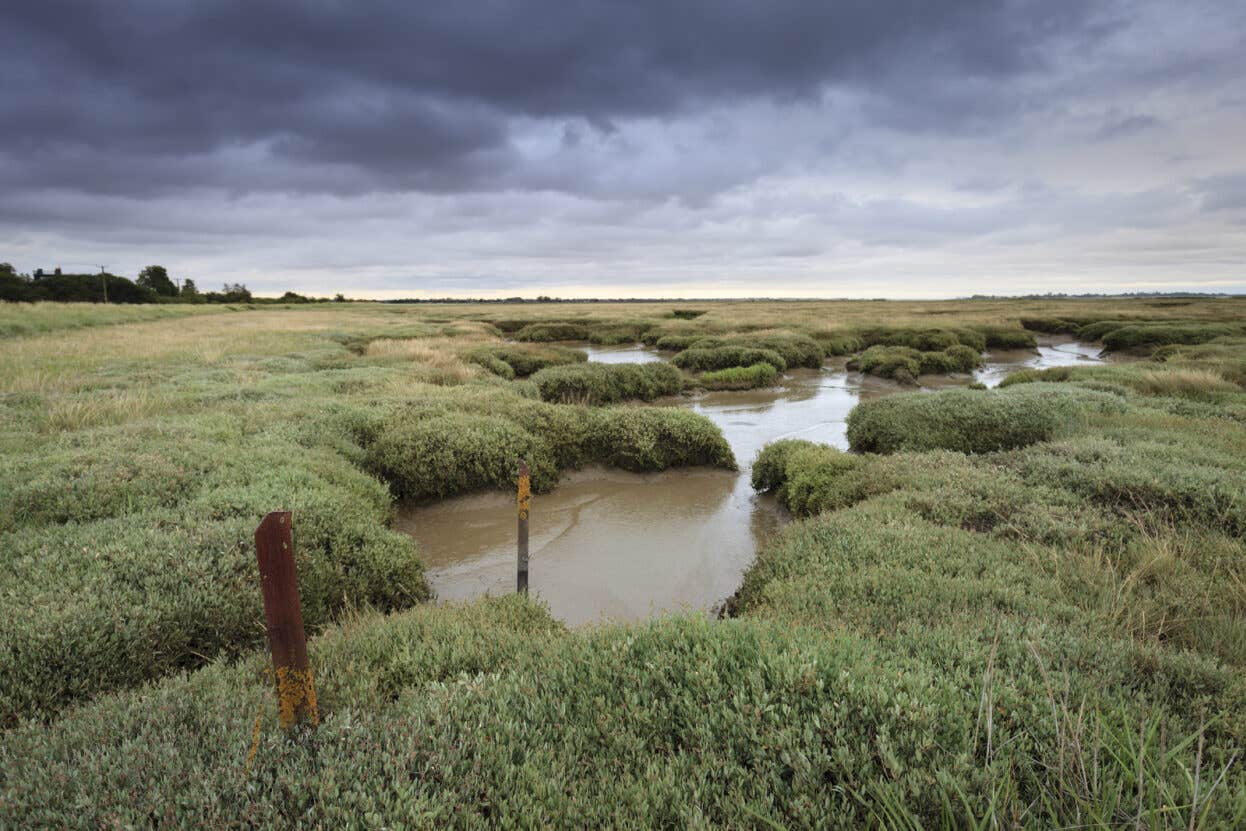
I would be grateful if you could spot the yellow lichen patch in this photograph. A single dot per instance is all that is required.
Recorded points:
(296, 697)
(525, 495)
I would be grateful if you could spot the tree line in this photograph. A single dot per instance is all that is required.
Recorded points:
(153, 285)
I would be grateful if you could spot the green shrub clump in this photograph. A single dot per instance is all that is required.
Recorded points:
(699, 359)
(1007, 337)
(542, 332)
(596, 383)
(1150, 335)
(510, 361)
(904, 363)
(739, 377)
(611, 334)
(972, 421)
(676, 343)
(435, 453)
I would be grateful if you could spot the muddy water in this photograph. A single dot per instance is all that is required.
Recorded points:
(609, 545)
(1051, 352)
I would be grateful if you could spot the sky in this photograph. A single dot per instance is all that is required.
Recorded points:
(638, 148)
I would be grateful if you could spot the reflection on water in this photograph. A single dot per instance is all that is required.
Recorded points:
(1051, 352)
(632, 353)
(620, 546)
(605, 544)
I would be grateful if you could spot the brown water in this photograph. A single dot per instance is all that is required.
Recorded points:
(609, 545)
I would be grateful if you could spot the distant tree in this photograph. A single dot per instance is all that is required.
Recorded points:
(7, 270)
(339, 298)
(231, 293)
(189, 289)
(156, 278)
(292, 297)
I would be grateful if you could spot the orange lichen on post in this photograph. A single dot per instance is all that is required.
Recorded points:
(296, 697)
(283, 613)
(525, 490)
(525, 497)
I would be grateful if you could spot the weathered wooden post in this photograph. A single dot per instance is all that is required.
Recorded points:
(274, 549)
(525, 497)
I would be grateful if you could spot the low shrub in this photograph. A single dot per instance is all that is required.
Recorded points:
(596, 383)
(1007, 337)
(970, 421)
(956, 358)
(542, 332)
(810, 478)
(841, 343)
(444, 455)
(1051, 375)
(687, 314)
(1149, 335)
(923, 340)
(739, 377)
(698, 359)
(900, 363)
(617, 333)
(656, 438)
(513, 361)
(676, 343)
(1052, 325)
(796, 349)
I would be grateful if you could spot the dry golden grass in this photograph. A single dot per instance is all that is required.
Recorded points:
(438, 360)
(1184, 382)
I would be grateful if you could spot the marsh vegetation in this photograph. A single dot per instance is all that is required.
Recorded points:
(1024, 605)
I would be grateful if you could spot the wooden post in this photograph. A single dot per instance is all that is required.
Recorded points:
(274, 549)
(524, 498)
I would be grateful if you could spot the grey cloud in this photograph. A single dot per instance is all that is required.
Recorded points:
(426, 96)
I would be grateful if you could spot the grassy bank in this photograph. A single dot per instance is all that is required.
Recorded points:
(139, 457)
(1021, 607)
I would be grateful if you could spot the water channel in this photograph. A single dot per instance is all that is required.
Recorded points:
(610, 545)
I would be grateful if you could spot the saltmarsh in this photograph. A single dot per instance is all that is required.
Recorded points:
(1024, 605)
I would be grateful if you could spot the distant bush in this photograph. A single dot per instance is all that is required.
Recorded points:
(687, 314)
(739, 377)
(923, 340)
(597, 383)
(1050, 325)
(542, 332)
(698, 359)
(971, 421)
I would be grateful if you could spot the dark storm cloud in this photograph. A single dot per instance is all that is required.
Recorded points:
(344, 97)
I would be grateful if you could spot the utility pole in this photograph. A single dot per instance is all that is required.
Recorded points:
(104, 280)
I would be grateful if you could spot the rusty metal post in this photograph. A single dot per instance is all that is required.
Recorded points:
(274, 549)
(525, 498)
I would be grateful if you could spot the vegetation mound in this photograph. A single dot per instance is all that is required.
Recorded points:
(740, 377)
(597, 383)
(513, 361)
(971, 421)
(708, 359)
